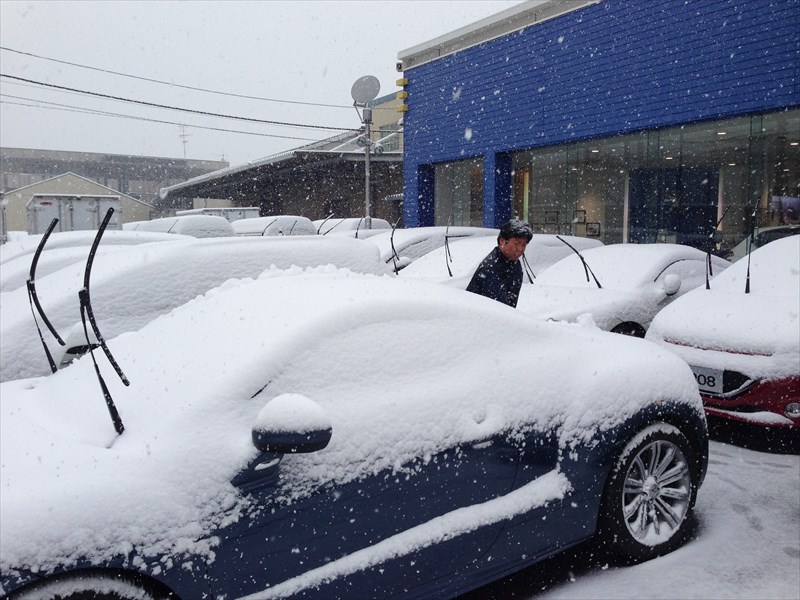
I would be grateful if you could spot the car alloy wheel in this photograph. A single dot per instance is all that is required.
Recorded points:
(650, 494)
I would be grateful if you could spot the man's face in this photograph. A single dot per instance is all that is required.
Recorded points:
(512, 248)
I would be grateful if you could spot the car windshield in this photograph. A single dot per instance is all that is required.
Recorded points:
(618, 266)
(765, 237)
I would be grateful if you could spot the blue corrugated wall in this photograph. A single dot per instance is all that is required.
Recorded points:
(615, 67)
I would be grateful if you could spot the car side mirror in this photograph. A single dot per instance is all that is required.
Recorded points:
(291, 424)
(671, 284)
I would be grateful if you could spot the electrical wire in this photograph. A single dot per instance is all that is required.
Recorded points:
(168, 107)
(178, 85)
(68, 108)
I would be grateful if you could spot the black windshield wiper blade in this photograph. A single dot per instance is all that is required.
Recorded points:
(448, 258)
(709, 270)
(33, 298)
(263, 231)
(334, 226)
(528, 269)
(87, 312)
(358, 227)
(323, 223)
(395, 256)
(750, 243)
(587, 269)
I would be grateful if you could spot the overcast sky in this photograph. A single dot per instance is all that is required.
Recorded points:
(301, 51)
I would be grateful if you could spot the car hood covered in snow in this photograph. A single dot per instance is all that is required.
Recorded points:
(201, 374)
(607, 307)
(756, 332)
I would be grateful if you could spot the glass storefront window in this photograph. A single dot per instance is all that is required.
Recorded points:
(670, 185)
(459, 193)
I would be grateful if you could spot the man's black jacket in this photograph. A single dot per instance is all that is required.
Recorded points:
(498, 278)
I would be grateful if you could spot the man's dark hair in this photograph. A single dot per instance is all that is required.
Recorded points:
(515, 228)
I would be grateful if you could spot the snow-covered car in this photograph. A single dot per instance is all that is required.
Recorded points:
(198, 226)
(352, 226)
(620, 287)
(742, 337)
(455, 263)
(401, 247)
(131, 288)
(261, 456)
(763, 236)
(283, 225)
(63, 249)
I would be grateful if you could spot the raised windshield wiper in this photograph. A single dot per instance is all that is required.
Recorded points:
(358, 227)
(448, 258)
(86, 311)
(586, 266)
(334, 226)
(527, 267)
(33, 298)
(268, 226)
(751, 240)
(395, 256)
(323, 223)
(709, 270)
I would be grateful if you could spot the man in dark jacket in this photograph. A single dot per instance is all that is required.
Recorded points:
(499, 276)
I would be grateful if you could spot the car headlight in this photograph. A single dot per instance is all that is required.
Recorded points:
(792, 410)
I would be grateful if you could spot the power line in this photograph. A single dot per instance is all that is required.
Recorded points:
(68, 108)
(189, 110)
(178, 85)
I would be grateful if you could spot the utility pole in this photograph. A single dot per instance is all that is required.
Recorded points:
(364, 91)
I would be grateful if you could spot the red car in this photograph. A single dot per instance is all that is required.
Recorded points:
(742, 337)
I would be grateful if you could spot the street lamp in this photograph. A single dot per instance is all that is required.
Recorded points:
(365, 90)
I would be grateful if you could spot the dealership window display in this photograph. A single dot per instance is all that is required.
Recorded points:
(668, 185)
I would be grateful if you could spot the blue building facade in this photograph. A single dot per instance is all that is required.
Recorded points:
(628, 121)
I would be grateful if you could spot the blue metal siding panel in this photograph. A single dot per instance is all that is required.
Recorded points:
(610, 68)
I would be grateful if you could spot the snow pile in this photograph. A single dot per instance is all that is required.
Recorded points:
(395, 366)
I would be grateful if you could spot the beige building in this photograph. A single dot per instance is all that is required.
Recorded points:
(76, 195)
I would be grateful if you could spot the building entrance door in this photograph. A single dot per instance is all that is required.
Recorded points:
(673, 205)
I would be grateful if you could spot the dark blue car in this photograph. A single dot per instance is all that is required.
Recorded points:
(325, 434)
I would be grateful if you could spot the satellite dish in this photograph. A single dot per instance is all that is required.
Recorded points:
(365, 89)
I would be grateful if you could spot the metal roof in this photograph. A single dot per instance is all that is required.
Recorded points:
(525, 14)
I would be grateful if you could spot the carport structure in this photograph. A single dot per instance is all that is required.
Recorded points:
(316, 180)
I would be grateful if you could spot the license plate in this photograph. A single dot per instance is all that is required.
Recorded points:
(708, 380)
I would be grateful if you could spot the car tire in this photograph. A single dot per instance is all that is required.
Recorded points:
(629, 328)
(88, 586)
(649, 495)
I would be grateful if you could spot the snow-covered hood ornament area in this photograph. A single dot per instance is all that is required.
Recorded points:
(450, 366)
